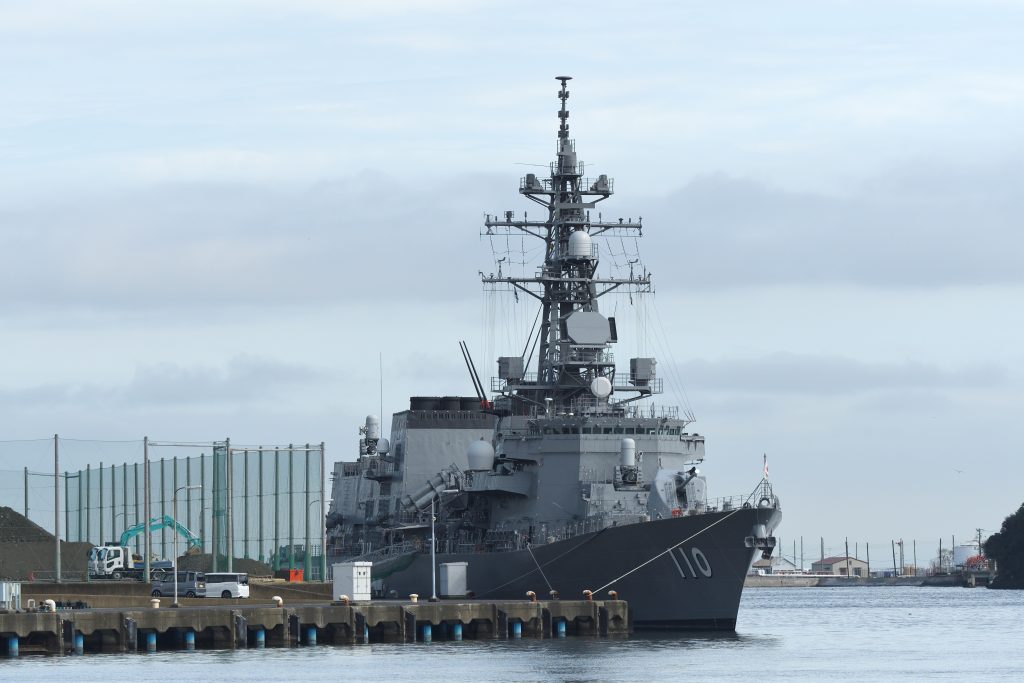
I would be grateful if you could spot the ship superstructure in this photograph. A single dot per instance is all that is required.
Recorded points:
(563, 479)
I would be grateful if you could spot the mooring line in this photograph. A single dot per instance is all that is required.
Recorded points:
(552, 560)
(539, 568)
(671, 548)
(667, 550)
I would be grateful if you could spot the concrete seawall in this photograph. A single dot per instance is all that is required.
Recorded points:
(123, 594)
(237, 626)
(797, 581)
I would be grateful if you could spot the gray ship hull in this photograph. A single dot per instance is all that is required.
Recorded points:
(694, 586)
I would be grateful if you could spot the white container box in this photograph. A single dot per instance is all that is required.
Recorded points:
(352, 579)
(453, 579)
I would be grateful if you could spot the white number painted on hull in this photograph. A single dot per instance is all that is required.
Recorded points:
(697, 568)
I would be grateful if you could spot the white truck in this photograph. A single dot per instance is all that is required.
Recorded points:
(116, 561)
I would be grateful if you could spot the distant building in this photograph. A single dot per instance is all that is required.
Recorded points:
(774, 565)
(840, 566)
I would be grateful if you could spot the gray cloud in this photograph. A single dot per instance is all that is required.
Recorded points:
(244, 380)
(205, 246)
(918, 226)
(789, 373)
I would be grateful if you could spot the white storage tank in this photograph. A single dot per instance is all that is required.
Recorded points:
(963, 552)
(352, 579)
(453, 579)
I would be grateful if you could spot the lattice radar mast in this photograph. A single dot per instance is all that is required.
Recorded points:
(575, 367)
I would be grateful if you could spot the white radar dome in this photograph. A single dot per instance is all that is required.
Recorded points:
(480, 455)
(601, 387)
(372, 427)
(627, 453)
(383, 446)
(580, 245)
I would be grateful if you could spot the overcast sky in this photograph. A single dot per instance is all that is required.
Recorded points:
(216, 220)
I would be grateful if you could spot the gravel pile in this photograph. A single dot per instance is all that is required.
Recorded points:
(17, 528)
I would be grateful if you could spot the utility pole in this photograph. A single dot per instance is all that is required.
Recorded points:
(915, 557)
(323, 516)
(846, 543)
(895, 571)
(147, 543)
(56, 507)
(867, 549)
(822, 548)
(801, 553)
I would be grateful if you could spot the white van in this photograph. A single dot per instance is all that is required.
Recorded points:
(227, 585)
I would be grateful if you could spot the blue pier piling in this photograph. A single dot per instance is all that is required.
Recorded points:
(12, 646)
(190, 639)
(78, 643)
(151, 641)
(517, 629)
(311, 635)
(560, 628)
(261, 639)
(456, 631)
(428, 633)
(366, 634)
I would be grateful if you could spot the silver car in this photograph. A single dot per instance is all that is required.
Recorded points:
(190, 584)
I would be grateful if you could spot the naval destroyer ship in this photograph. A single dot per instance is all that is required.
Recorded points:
(561, 479)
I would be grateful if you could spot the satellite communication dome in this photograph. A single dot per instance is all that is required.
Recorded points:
(580, 245)
(383, 446)
(601, 387)
(480, 456)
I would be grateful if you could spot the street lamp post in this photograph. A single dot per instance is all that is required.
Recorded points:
(433, 553)
(174, 513)
(433, 545)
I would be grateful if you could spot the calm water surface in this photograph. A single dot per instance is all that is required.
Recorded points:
(784, 634)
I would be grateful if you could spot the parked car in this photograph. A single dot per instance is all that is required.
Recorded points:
(190, 584)
(227, 585)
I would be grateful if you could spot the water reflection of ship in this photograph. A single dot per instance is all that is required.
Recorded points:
(570, 479)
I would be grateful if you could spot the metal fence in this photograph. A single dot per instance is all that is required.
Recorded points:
(263, 503)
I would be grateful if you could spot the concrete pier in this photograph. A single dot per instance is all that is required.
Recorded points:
(238, 626)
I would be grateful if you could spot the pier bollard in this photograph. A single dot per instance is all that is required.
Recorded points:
(278, 601)
(12, 646)
(428, 633)
(311, 635)
(554, 594)
(155, 603)
(588, 595)
(414, 597)
(613, 595)
(151, 641)
(457, 631)
(261, 639)
(560, 628)
(190, 639)
(531, 596)
(343, 599)
(517, 629)
(78, 643)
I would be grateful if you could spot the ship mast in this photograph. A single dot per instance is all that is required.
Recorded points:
(574, 338)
